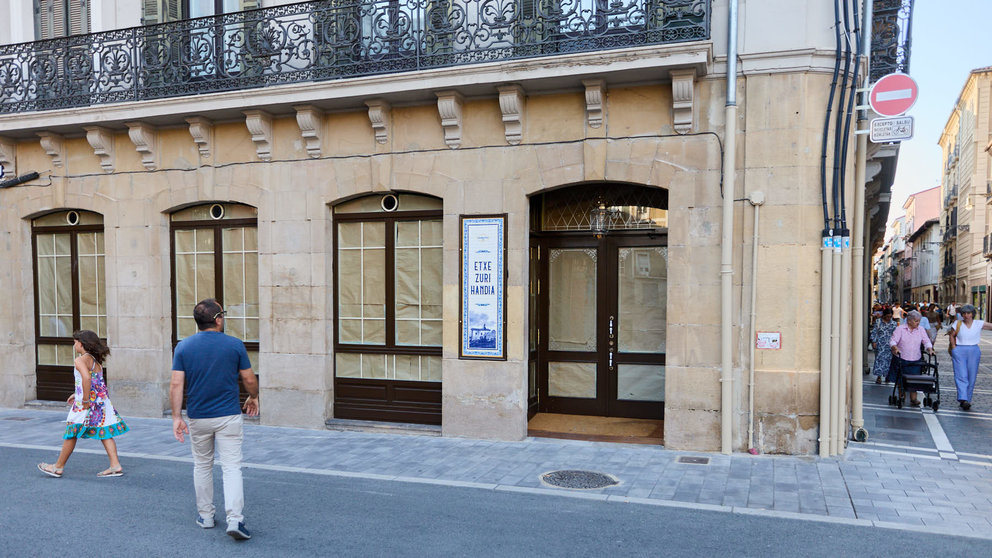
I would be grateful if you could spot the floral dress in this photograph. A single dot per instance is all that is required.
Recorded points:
(101, 420)
(881, 334)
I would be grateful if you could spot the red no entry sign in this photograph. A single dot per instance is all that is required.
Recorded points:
(893, 94)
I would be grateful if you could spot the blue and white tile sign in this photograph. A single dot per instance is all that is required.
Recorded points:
(483, 287)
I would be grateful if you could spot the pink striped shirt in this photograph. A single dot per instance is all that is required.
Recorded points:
(908, 342)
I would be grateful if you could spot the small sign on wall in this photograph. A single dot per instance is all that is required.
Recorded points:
(768, 340)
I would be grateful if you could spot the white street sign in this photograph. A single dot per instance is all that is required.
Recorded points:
(884, 130)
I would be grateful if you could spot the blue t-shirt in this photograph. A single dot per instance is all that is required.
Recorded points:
(211, 361)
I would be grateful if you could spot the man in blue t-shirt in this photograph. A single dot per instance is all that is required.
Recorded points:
(209, 364)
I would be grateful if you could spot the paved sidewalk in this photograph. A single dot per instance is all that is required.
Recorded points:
(869, 489)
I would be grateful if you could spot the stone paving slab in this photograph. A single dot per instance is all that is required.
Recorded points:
(884, 490)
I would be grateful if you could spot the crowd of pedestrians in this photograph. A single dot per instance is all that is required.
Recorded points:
(900, 333)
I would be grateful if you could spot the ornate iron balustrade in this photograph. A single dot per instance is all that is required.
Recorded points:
(891, 37)
(325, 40)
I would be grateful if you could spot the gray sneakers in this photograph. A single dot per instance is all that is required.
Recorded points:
(205, 522)
(238, 531)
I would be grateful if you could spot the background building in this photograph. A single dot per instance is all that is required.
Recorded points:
(311, 165)
(967, 191)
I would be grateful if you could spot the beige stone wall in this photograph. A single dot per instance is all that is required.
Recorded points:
(778, 154)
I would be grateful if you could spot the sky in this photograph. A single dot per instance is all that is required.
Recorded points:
(949, 40)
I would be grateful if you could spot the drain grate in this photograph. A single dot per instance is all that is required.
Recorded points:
(693, 460)
(583, 480)
(21, 419)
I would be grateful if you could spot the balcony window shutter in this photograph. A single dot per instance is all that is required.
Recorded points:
(249, 4)
(79, 17)
(161, 11)
(151, 12)
(173, 10)
(50, 19)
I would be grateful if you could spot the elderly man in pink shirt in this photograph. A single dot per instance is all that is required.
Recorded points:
(905, 345)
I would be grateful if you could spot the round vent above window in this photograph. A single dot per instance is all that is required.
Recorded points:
(72, 218)
(216, 211)
(389, 202)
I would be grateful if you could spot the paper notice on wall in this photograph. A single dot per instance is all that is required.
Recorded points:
(768, 340)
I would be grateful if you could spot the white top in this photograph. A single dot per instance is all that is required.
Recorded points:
(969, 335)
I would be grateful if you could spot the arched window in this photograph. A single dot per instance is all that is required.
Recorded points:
(69, 293)
(387, 267)
(215, 255)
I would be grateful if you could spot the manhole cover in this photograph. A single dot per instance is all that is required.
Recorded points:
(694, 460)
(579, 479)
(16, 418)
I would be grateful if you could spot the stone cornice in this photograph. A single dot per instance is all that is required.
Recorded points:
(512, 102)
(683, 86)
(259, 124)
(144, 136)
(52, 144)
(595, 101)
(544, 73)
(379, 114)
(449, 107)
(102, 141)
(8, 155)
(202, 130)
(311, 122)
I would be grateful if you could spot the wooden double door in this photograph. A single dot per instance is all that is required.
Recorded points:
(600, 316)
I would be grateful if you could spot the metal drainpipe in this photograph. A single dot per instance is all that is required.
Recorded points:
(860, 240)
(726, 247)
(835, 340)
(845, 342)
(756, 199)
(826, 261)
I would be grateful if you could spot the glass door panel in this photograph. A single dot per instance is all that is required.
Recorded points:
(642, 298)
(572, 304)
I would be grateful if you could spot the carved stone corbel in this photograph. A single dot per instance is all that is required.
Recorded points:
(595, 100)
(512, 104)
(259, 125)
(683, 85)
(144, 137)
(379, 113)
(52, 144)
(202, 130)
(311, 122)
(8, 156)
(449, 106)
(102, 141)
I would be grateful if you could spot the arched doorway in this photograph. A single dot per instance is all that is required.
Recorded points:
(598, 299)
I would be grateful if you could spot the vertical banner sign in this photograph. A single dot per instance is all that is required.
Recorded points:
(483, 300)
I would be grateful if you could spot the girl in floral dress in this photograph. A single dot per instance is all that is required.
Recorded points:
(881, 334)
(92, 415)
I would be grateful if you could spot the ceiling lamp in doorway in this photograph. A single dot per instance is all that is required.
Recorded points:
(601, 218)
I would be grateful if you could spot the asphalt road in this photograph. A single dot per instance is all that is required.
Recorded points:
(149, 512)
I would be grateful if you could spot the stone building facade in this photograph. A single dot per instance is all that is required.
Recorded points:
(967, 185)
(326, 212)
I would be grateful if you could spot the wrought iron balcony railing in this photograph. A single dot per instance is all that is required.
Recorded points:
(325, 40)
(891, 37)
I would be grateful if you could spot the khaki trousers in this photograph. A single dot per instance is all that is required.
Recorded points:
(223, 435)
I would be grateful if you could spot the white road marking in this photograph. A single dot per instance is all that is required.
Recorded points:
(913, 455)
(939, 436)
(897, 446)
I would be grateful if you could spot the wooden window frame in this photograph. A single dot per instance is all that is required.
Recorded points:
(390, 400)
(73, 231)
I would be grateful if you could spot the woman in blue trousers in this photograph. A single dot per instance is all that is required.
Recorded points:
(966, 334)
